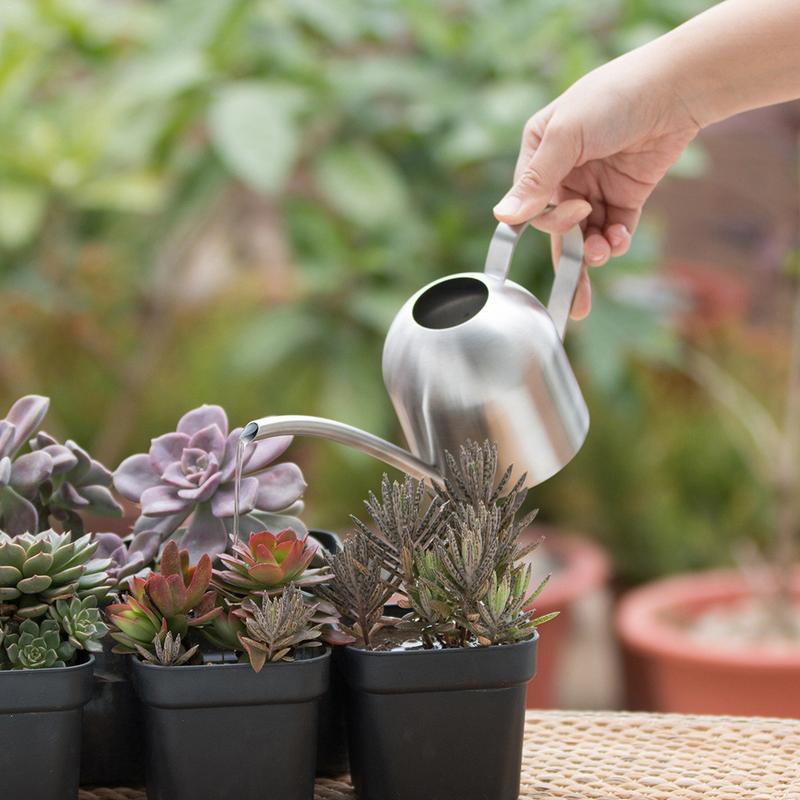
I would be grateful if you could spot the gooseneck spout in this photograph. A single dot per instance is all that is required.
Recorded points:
(321, 428)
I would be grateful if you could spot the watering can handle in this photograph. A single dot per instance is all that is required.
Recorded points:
(568, 271)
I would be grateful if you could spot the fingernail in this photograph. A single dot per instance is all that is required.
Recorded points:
(508, 206)
(618, 238)
(595, 258)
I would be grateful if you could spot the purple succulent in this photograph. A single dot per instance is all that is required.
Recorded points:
(53, 480)
(127, 558)
(190, 473)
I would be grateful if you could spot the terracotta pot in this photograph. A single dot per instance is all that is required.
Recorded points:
(580, 567)
(675, 673)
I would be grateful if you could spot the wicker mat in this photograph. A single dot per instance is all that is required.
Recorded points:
(610, 756)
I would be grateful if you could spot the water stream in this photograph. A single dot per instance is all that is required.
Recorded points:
(237, 485)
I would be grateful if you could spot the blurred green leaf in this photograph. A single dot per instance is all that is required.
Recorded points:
(254, 130)
(21, 210)
(361, 184)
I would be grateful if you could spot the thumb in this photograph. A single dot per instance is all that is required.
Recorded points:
(539, 179)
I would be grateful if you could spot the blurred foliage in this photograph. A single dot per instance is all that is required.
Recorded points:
(227, 202)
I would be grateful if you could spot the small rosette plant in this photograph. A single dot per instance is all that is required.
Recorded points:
(50, 586)
(173, 600)
(49, 482)
(266, 563)
(185, 483)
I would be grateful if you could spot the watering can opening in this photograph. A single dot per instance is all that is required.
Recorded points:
(450, 302)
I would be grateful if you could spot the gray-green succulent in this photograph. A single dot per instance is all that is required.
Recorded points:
(37, 570)
(81, 622)
(36, 646)
(166, 649)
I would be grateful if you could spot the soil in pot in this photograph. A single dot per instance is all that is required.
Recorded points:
(683, 667)
(438, 724)
(224, 731)
(40, 731)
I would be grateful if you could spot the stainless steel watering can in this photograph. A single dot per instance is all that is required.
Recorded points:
(474, 356)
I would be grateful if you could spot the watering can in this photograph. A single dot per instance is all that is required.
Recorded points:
(474, 356)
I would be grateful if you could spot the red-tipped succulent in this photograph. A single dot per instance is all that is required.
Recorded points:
(177, 594)
(266, 563)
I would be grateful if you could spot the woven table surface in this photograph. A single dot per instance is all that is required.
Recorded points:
(619, 756)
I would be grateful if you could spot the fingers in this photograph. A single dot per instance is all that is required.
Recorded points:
(563, 217)
(582, 304)
(551, 161)
(619, 239)
(596, 248)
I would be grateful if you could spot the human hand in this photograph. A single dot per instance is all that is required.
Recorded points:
(598, 151)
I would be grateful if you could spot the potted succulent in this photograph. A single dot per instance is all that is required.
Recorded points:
(255, 612)
(50, 624)
(44, 483)
(182, 488)
(446, 685)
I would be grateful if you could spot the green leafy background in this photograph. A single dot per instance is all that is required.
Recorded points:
(227, 202)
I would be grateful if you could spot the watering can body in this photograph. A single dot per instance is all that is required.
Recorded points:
(475, 356)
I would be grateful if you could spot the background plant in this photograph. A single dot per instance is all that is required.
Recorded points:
(230, 202)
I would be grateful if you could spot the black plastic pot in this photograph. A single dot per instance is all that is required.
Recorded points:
(332, 757)
(112, 745)
(40, 731)
(223, 731)
(438, 724)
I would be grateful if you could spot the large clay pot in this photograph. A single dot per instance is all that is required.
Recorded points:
(579, 567)
(676, 673)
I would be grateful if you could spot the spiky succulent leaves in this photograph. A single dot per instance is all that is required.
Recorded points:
(178, 594)
(266, 563)
(36, 646)
(358, 590)
(81, 622)
(166, 649)
(275, 628)
(433, 614)
(406, 523)
(505, 614)
(472, 480)
(36, 570)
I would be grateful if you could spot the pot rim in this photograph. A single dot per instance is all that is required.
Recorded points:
(51, 670)
(643, 626)
(324, 652)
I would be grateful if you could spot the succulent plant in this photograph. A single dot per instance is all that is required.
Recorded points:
(266, 563)
(405, 524)
(81, 622)
(502, 616)
(455, 562)
(224, 629)
(36, 646)
(277, 627)
(358, 590)
(191, 473)
(166, 649)
(52, 480)
(127, 558)
(78, 484)
(36, 570)
(177, 594)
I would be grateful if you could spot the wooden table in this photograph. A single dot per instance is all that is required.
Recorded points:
(619, 756)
